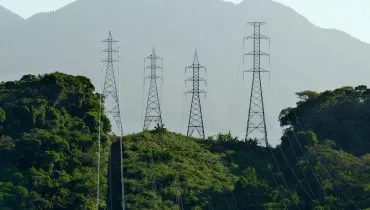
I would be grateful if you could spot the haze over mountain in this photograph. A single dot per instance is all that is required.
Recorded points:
(303, 56)
(8, 19)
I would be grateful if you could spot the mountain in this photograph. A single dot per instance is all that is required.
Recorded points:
(8, 19)
(303, 55)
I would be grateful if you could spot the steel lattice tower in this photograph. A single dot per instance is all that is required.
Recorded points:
(256, 124)
(196, 117)
(153, 109)
(111, 92)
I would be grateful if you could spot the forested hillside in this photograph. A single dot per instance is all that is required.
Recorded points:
(322, 163)
(48, 143)
(170, 171)
(165, 170)
(341, 115)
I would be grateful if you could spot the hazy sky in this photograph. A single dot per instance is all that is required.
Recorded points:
(350, 16)
(27, 8)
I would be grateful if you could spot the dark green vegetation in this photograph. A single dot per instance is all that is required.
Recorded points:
(322, 162)
(164, 170)
(167, 170)
(341, 115)
(48, 143)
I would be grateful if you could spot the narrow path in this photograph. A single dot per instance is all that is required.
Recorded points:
(114, 180)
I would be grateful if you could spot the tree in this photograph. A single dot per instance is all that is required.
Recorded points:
(48, 142)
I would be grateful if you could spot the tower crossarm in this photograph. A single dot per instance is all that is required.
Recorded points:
(256, 36)
(198, 66)
(257, 70)
(194, 79)
(259, 53)
(196, 92)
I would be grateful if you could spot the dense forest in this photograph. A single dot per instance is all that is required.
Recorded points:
(49, 127)
(48, 143)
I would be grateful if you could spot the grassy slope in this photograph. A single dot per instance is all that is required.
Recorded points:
(170, 171)
(163, 171)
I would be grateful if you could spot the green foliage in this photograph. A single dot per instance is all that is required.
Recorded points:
(178, 166)
(329, 133)
(48, 143)
(167, 170)
(226, 138)
(160, 129)
(2, 115)
(307, 171)
(342, 115)
(49, 127)
(307, 95)
(343, 177)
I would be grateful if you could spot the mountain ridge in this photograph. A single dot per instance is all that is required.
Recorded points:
(8, 19)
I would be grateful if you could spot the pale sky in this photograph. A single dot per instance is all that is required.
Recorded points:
(350, 16)
(27, 8)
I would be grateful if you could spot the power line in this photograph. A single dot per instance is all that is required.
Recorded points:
(235, 97)
(294, 174)
(295, 137)
(302, 171)
(301, 168)
(153, 114)
(280, 171)
(324, 168)
(110, 182)
(99, 142)
(196, 116)
(152, 164)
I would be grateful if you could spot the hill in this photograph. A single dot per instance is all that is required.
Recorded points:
(68, 40)
(164, 170)
(48, 143)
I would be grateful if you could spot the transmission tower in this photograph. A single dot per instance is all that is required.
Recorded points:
(111, 96)
(256, 125)
(153, 109)
(195, 117)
